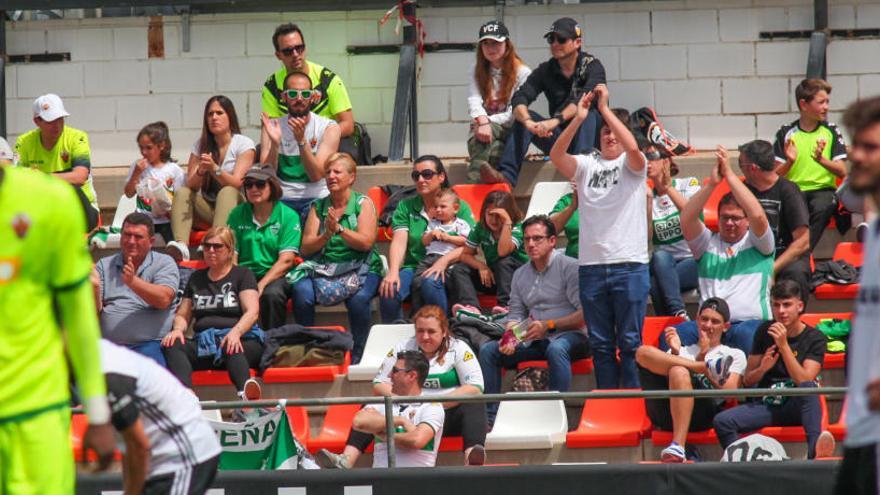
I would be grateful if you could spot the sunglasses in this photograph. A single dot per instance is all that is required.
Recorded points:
(425, 174)
(654, 155)
(293, 94)
(555, 38)
(395, 369)
(259, 184)
(213, 246)
(290, 50)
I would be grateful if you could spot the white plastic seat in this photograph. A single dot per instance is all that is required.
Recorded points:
(124, 207)
(382, 338)
(521, 425)
(544, 197)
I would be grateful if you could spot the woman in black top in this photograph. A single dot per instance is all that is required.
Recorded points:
(223, 304)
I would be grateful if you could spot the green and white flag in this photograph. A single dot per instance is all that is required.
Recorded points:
(264, 443)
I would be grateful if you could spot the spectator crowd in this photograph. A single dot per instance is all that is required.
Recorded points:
(286, 229)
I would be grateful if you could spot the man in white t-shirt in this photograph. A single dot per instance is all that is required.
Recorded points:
(736, 263)
(613, 244)
(418, 427)
(704, 365)
(300, 143)
(858, 473)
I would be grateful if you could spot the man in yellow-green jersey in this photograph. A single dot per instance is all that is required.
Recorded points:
(61, 150)
(44, 286)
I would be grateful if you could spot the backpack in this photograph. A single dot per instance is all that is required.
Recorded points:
(645, 120)
(396, 194)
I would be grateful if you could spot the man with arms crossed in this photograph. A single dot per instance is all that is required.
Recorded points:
(418, 426)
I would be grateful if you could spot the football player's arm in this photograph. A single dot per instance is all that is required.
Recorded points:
(126, 419)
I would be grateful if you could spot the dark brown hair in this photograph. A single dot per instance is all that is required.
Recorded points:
(808, 88)
(208, 143)
(862, 115)
(500, 199)
(285, 29)
(158, 133)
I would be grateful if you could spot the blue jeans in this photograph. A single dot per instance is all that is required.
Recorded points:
(669, 278)
(151, 349)
(358, 306)
(741, 334)
(614, 299)
(751, 416)
(391, 308)
(559, 353)
(519, 139)
(432, 290)
(301, 206)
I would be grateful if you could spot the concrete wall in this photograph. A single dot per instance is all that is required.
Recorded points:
(698, 62)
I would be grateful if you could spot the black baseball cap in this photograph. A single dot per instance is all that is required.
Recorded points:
(493, 30)
(565, 27)
(717, 304)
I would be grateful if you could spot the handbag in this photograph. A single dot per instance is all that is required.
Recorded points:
(333, 290)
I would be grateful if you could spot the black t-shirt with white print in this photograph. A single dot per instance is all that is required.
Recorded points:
(786, 210)
(809, 344)
(216, 304)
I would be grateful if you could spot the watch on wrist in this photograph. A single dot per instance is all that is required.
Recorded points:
(558, 116)
(301, 144)
(551, 324)
(218, 172)
(339, 228)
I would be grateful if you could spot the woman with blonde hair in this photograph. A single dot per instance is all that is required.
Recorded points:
(222, 303)
(497, 74)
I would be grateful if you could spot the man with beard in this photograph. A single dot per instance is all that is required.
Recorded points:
(300, 143)
(858, 472)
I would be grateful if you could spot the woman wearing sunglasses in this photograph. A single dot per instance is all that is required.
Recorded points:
(409, 222)
(221, 302)
(267, 237)
(300, 143)
(219, 160)
(498, 73)
(341, 228)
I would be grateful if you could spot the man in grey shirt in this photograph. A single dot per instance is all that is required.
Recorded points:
(135, 289)
(545, 292)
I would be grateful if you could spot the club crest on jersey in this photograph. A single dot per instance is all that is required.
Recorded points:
(8, 269)
(65, 156)
(21, 223)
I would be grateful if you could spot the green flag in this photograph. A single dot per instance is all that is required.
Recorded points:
(264, 443)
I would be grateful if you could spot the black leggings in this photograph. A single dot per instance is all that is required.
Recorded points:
(183, 359)
(467, 420)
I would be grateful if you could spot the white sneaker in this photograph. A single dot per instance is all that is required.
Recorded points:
(673, 454)
(329, 460)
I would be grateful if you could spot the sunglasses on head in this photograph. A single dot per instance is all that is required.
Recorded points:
(259, 184)
(290, 50)
(654, 155)
(555, 38)
(293, 94)
(213, 246)
(425, 174)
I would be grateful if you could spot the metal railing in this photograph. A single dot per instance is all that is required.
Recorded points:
(389, 401)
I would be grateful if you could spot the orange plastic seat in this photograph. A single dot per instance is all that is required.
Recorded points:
(380, 199)
(488, 300)
(705, 437)
(335, 429)
(838, 429)
(196, 237)
(304, 374)
(79, 423)
(474, 194)
(212, 378)
(853, 253)
(652, 328)
(794, 433)
(835, 360)
(610, 423)
(194, 264)
(299, 423)
(579, 367)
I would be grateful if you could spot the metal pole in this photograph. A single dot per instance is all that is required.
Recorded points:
(3, 73)
(414, 117)
(389, 431)
(820, 15)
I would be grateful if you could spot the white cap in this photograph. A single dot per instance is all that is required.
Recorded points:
(5, 151)
(49, 107)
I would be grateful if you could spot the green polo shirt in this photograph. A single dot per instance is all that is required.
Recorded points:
(571, 228)
(482, 237)
(336, 250)
(410, 215)
(259, 246)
